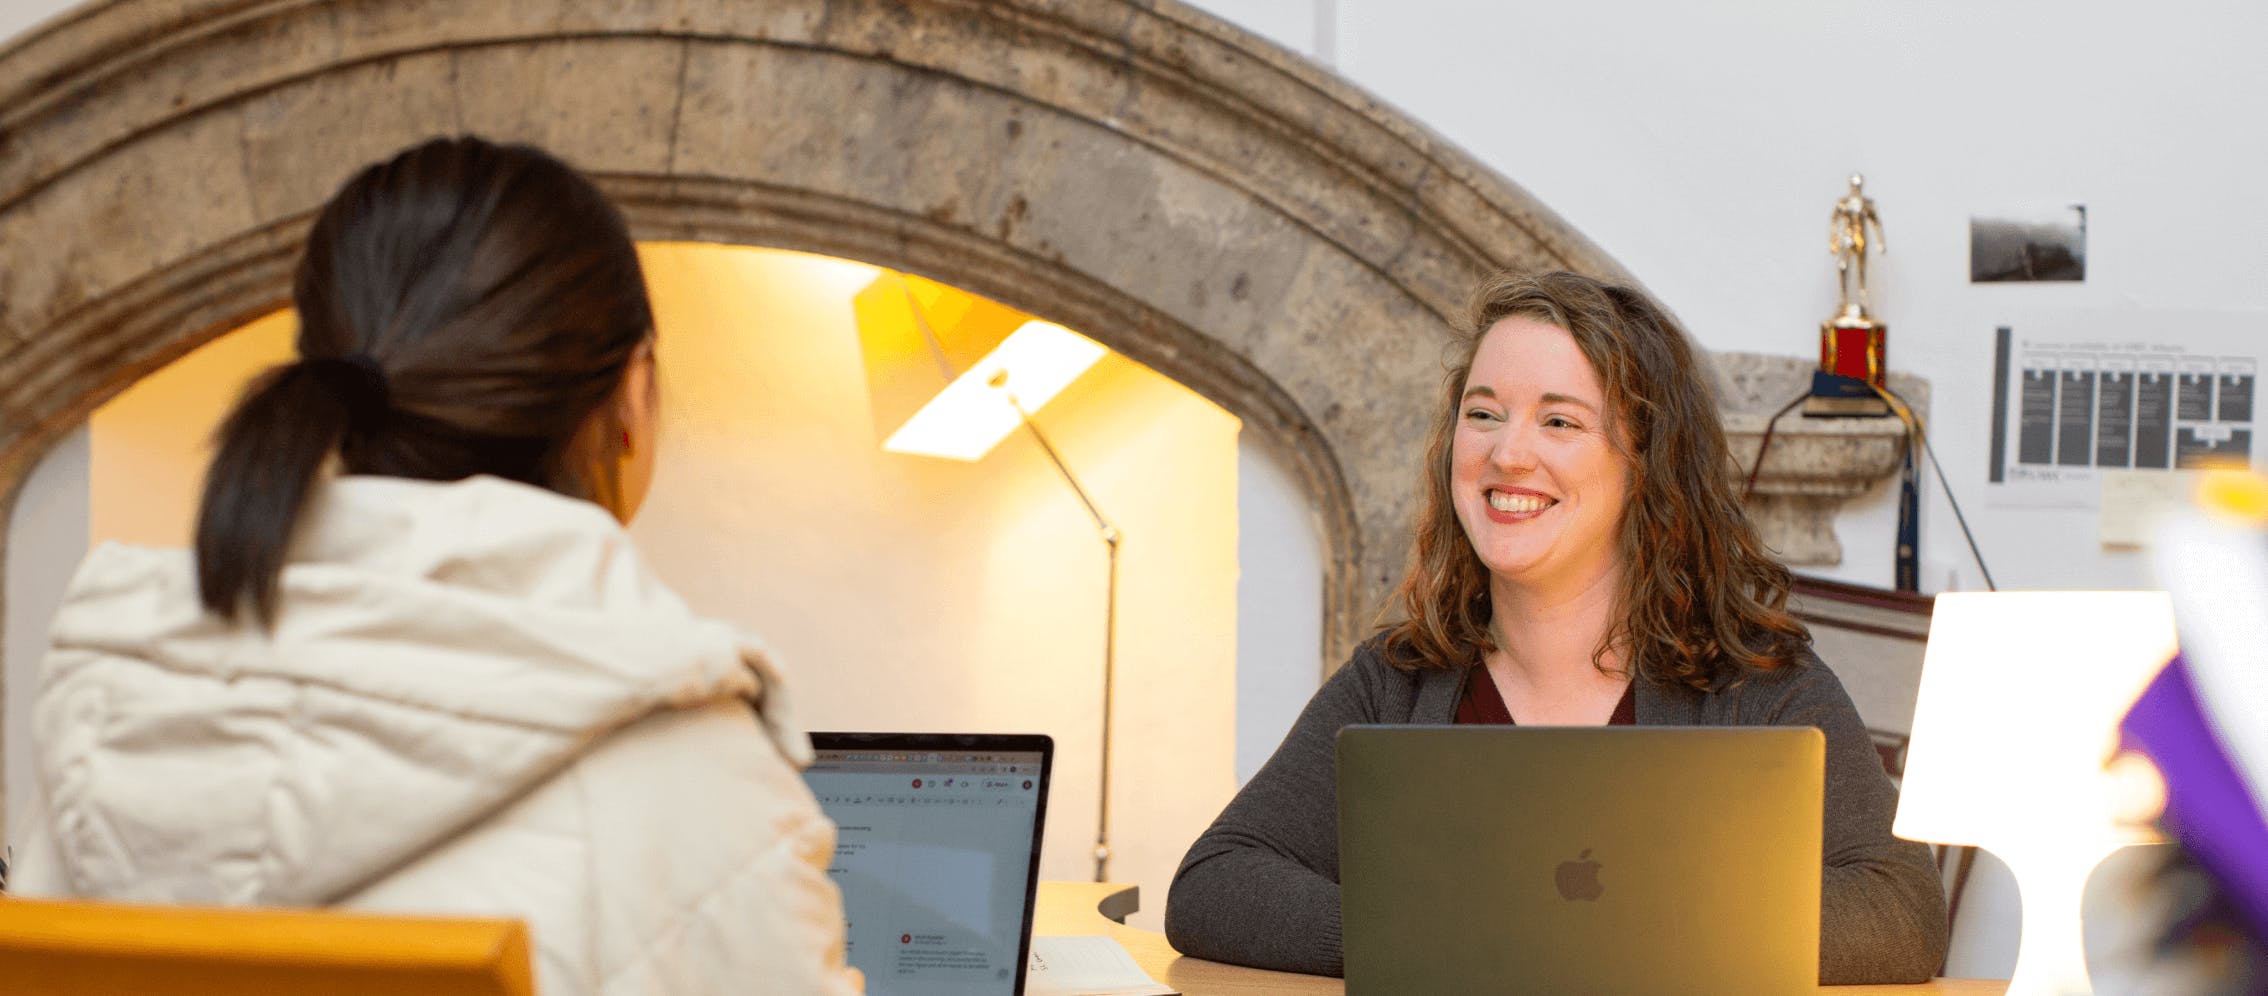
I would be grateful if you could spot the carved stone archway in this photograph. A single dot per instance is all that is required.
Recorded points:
(1206, 204)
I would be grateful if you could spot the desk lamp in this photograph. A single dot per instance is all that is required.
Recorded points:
(2021, 695)
(956, 374)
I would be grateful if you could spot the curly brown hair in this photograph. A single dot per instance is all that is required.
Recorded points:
(1701, 601)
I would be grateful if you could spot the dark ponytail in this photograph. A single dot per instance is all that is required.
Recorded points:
(465, 308)
(267, 456)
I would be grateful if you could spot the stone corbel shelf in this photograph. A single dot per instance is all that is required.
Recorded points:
(1815, 464)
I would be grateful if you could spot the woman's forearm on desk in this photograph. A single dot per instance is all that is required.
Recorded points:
(1246, 907)
(1876, 927)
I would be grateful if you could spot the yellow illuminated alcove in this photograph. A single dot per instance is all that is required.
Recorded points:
(900, 592)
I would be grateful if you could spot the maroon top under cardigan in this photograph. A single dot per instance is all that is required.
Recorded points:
(1482, 705)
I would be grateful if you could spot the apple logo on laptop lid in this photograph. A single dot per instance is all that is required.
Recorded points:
(1579, 879)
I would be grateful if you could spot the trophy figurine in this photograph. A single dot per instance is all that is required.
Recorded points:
(1851, 343)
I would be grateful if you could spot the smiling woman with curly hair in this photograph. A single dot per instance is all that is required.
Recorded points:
(1580, 558)
(1699, 599)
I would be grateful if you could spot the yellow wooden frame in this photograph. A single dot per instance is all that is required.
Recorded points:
(69, 948)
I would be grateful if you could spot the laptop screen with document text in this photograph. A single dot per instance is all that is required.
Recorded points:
(936, 855)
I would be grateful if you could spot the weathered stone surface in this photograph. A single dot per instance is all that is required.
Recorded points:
(301, 143)
(1814, 464)
(96, 350)
(131, 67)
(606, 105)
(148, 204)
(1758, 384)
(1799, 529)
(192, 58)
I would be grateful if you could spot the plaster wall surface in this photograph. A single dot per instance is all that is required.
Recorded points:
(47, 533)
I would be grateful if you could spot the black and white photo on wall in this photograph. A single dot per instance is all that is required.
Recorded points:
(2029, 246)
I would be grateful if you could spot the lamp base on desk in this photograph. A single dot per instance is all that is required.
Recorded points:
(2051, 952)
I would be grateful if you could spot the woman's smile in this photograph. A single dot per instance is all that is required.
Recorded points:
(1516, 505)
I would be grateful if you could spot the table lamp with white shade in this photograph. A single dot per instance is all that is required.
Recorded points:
(2021, 696)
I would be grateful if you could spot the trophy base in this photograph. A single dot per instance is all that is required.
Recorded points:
(1852, 346)
(1842, 397)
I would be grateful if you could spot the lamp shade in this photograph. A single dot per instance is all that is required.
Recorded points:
(2021, 695)
(942, 365)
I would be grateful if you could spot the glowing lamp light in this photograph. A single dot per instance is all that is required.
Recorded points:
(970, 371)
(2021, 696)
(974, 413)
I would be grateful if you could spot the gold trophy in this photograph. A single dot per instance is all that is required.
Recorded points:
(1851, 343)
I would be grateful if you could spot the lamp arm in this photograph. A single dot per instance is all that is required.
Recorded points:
(1103, 528)
(1108, 532)
(1110, 538)
(1109, 683)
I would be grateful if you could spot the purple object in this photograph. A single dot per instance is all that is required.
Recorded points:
(2208, 807)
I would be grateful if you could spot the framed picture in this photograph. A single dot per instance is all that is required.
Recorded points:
(2029, 246)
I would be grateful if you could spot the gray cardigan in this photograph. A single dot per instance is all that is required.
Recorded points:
(1261, 886)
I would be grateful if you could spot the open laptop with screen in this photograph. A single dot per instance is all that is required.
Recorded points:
(937, 855)
(1580, 859)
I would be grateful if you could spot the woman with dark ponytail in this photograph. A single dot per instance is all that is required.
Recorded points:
(414, 663)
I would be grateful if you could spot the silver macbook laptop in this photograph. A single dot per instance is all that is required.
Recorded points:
(937, 855)
(1631, 860)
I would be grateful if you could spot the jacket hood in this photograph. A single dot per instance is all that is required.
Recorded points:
(438, 650)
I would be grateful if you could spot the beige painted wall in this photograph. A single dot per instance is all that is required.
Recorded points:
(905, 593)
(150, 444)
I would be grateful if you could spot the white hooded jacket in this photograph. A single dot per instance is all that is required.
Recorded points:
(476, 699)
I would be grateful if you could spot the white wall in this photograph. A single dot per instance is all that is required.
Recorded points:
(20, 16)
(1279, 605)
(1704, 144)
(1309, 27)
(47, 537)
(913, 593)
(151, 442)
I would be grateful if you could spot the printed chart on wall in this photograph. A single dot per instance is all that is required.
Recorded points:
(2119, 400)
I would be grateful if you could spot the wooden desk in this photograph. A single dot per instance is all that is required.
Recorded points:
(1078, 908)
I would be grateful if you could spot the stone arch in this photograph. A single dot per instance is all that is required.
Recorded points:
(1204, 203)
